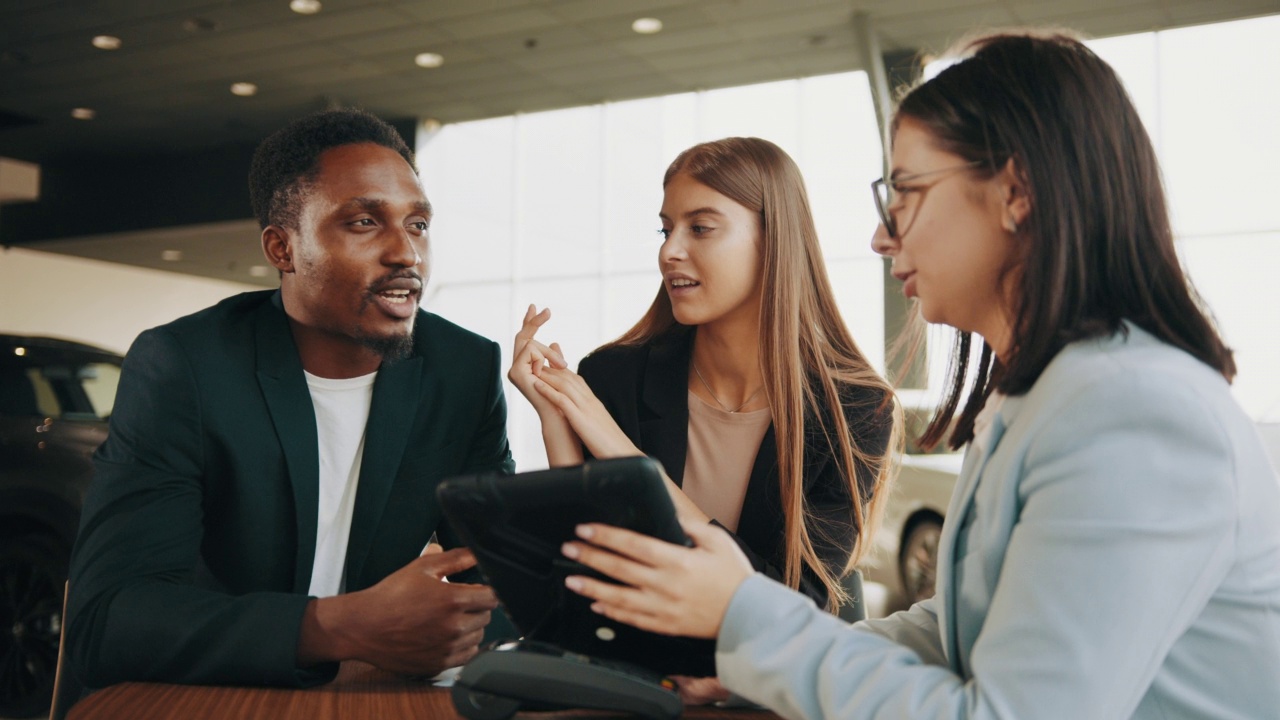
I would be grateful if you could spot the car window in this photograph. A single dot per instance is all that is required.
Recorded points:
(46, 399)
(99, 381)
(69, 391)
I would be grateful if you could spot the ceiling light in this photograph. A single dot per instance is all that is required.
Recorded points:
(305, 7)
(647, 26)
(171, 255)
(19, 351)
(106, 42)
(83, 113)
(244, 89)
(428, 60)
(260, 270)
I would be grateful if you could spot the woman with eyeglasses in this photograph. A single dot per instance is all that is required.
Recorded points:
(1112, 549)
(741, 379)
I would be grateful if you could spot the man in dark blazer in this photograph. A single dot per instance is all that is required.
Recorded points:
(199, 535)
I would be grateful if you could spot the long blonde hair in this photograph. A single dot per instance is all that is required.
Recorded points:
(807, 353)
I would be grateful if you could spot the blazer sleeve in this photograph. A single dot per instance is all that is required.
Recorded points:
(1127, 520)
(490, 451)
(833, 529)
(134, 611)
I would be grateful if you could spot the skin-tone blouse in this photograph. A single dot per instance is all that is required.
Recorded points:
(722, 451)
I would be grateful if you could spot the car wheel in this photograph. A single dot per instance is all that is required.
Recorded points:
(33, 573)
(918, 562)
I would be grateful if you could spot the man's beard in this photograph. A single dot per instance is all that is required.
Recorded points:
(389, 348)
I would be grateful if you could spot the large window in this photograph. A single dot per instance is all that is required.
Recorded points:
(560, 209)
(1210, 100)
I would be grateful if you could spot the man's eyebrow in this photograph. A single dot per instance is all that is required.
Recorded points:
(367, 203)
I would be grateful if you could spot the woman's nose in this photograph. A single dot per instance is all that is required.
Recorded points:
(881, 243)
(671, 249)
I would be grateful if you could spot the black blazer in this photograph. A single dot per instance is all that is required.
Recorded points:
(645, 389)
(197, 536)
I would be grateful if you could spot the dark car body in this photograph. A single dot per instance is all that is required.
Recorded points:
(55, 398)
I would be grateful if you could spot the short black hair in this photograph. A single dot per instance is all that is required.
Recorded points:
(285, 162)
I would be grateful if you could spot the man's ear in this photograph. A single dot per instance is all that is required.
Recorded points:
(1015, 194)
(277, 246)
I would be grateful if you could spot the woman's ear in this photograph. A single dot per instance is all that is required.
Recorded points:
(1015, 195)
(277, 248)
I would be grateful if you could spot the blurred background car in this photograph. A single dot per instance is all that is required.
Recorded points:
(55, 398)
(904, 555)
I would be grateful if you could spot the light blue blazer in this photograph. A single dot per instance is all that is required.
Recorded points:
(1112, 550)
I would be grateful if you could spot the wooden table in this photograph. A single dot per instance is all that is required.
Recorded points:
(359, 691)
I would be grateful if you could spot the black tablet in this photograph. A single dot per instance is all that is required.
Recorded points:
(515, 525)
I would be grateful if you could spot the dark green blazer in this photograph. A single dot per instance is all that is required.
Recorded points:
(197, 536)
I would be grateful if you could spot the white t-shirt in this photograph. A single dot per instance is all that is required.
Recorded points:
(342, 411)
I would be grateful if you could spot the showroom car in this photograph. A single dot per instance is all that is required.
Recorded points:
(55, 398)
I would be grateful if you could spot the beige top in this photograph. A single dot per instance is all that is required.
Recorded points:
(722, 451)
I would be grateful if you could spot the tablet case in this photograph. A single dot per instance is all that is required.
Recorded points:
(515, 525)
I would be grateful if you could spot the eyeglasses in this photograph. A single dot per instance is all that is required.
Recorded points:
(886, 193)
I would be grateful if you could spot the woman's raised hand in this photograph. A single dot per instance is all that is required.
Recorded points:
(530, 360)
(531, 357)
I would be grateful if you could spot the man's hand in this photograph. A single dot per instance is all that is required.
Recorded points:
(412, 622)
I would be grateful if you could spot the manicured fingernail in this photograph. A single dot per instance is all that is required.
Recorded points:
(585, 531)
(597, 608)
(570, 550)
(574, 583)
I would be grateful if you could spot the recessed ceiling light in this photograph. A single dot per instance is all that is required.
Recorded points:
(171, 255)
(428, 60)
(244, 89)
(106, 42)
(83, 113)
(260, 270)
(647, 26)
(305, 7)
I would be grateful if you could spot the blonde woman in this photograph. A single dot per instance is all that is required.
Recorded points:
(741, 379)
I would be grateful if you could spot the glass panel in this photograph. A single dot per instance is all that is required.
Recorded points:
(99, 381)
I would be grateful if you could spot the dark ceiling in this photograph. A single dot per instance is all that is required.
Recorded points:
(168, 85)
(166, 91)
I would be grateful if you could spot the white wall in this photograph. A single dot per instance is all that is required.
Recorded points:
(100, 303)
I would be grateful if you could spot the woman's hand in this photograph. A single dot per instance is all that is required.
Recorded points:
(591, 421)
(669, 589)
(588, 417)
(531, 357)
(529, 360)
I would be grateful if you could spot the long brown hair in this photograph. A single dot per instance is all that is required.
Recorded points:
(807, 353)
(1097, 247)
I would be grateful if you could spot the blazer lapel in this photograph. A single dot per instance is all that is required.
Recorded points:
(397, 395)
(284, 387)
(665, 393)
(975, 461)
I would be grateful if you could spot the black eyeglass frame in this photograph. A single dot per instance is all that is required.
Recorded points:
(881, 188)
